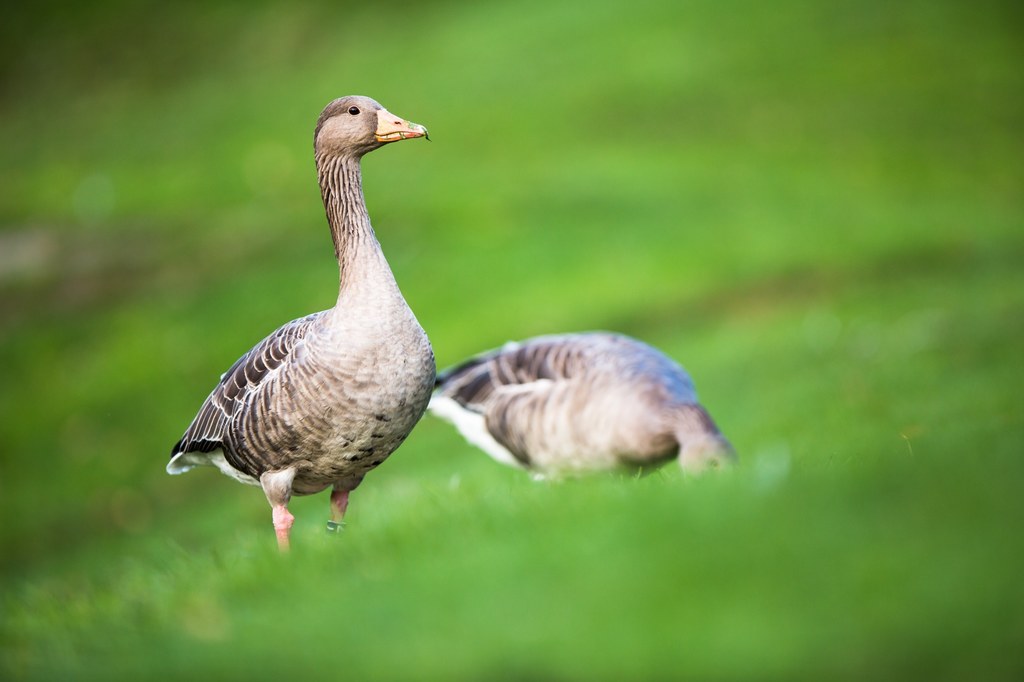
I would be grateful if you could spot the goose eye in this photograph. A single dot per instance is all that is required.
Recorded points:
(354, 111)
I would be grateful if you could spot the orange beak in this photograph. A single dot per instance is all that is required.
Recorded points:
(391, 128)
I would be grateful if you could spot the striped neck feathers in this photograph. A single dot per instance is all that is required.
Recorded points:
(341, 187)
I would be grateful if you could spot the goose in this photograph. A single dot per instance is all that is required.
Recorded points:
(326, 398)
(578, 403)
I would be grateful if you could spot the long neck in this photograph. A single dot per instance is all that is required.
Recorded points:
(360, 259)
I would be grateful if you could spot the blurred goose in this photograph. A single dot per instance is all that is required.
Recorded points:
(325, 398)
(577, 403)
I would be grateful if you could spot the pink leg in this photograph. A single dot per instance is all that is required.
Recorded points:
(339, 503)
(278, 487)
(283, 521)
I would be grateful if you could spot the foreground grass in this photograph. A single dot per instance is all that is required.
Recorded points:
(743, 577)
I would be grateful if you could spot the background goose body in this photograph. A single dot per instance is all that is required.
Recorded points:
(577, 403)
(327, 397)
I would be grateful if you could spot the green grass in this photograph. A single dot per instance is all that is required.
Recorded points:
(815, 207)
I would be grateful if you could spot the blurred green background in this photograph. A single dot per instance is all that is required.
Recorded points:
(816, 207)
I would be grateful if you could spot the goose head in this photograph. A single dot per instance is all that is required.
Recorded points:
(703, 452)
(354, 125)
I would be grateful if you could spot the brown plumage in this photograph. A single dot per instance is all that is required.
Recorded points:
(578, 403)
(327, 397)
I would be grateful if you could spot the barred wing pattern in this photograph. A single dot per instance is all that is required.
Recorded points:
(239, 385)
(473, 383)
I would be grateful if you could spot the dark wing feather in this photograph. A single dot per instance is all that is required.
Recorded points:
(208, 429)
(473, 383)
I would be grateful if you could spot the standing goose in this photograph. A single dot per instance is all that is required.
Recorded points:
(579, 403)
(325, 398)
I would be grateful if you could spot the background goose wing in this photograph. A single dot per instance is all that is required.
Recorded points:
(246, 376)
(474, 383)
(516, 391)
